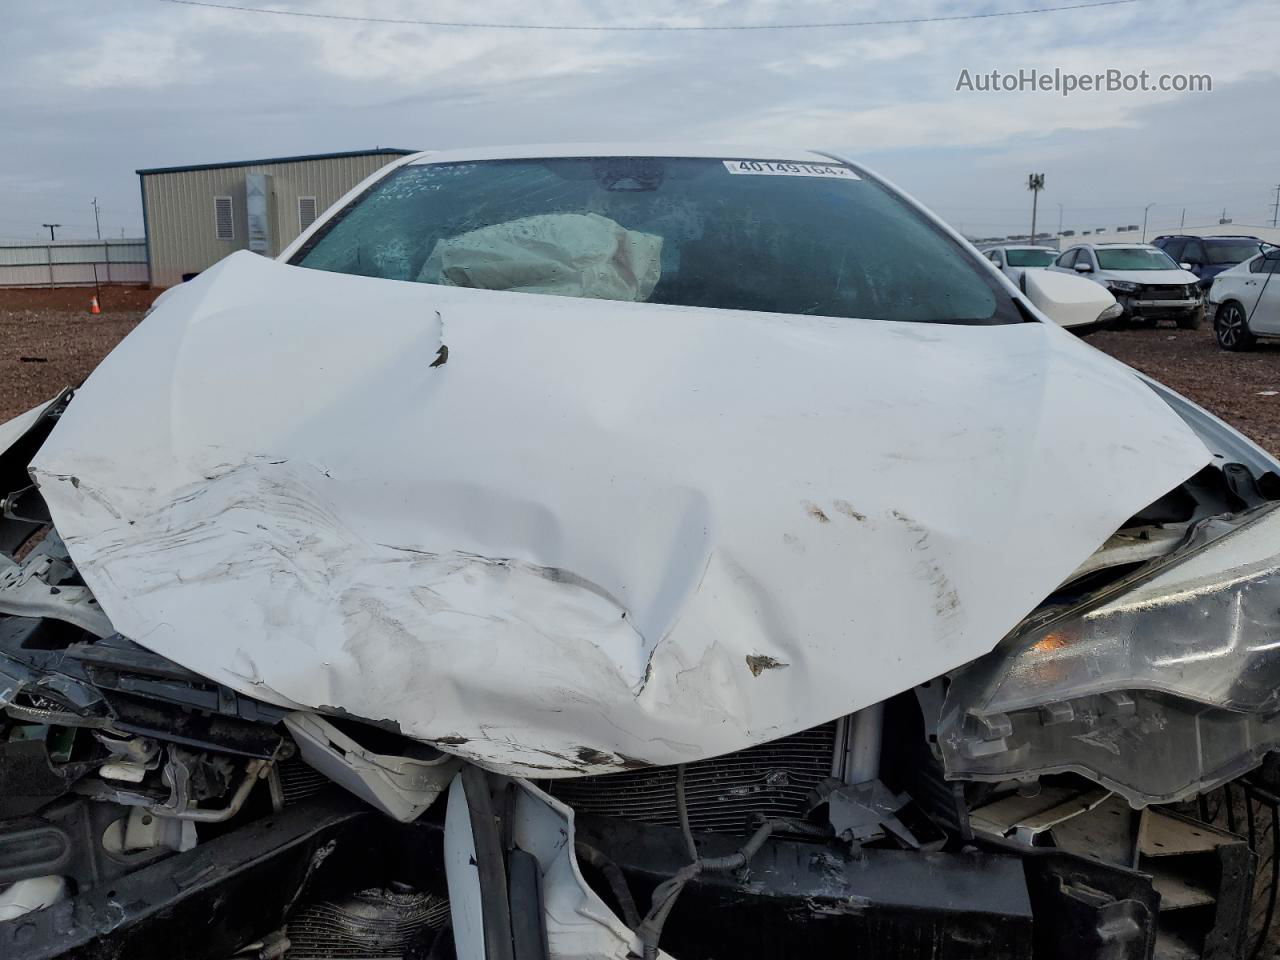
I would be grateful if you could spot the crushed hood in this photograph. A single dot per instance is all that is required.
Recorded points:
(563, 536)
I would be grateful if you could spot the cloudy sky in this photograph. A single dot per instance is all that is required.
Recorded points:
(95, 89)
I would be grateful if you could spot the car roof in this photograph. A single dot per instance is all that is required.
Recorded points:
(1210, 236)
(539, 151)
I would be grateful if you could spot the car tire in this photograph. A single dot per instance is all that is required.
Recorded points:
(1192, 320)
(1231, 328)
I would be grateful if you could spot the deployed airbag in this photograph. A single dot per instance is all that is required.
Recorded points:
(570, 254)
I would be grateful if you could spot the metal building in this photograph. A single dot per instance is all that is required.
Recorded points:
(194, 216)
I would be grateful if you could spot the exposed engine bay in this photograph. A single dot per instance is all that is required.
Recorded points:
(1065, 796)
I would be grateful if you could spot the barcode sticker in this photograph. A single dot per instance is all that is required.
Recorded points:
(772, 168)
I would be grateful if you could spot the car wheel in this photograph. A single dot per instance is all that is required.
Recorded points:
(1231, 329)
(1192, 320)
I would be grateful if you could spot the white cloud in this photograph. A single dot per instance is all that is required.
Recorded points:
(125, 59)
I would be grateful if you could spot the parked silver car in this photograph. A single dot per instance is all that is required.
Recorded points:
(1149, 286)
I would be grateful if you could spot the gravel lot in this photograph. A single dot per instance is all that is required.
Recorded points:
(49, 340)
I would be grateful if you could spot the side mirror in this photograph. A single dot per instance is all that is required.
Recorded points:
(1185, 266)
(1084, 268)
(1076, 303)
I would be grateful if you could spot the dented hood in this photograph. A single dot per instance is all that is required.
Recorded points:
(564, 536)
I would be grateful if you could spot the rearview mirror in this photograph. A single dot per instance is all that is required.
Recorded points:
(1076, 303)
(1185, 266)
(1083, 268)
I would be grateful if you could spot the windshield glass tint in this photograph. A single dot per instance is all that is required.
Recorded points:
(1030, 258)
(1134, 258)
(1230, 251)
(747, 235)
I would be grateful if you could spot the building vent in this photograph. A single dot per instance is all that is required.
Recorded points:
(224, 222)
(306, 212)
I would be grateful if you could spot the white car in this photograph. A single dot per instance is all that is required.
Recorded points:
(1148, 284)
(1245, 302)
(674, 552)
(1013, 259)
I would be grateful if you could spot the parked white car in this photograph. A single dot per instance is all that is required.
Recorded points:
(1013, 259)
(1146, 282)
(1245, 302)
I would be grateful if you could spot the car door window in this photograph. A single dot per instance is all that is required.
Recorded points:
(1173, 247)
(1068, 259)
(1193, 253)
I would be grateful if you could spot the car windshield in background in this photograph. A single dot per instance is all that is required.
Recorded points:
(1030, 258)
(1134, 258)
(1228, 252)
(801, 238)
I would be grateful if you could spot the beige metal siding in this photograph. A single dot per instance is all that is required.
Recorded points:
(180, 214)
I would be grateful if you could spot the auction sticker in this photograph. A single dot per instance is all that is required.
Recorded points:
(773, 168)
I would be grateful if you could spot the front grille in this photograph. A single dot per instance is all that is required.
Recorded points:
(1179, 292)
(772, 779)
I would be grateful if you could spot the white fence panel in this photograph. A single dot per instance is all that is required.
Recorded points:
(73, 263)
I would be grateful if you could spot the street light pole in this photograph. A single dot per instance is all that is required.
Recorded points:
(1144, 221)
(51, 227)
(97, 224)
(1059, 220)
(1035, 183)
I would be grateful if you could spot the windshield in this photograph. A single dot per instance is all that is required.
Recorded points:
(802, 238)
(1229, 252)
(1134, 258)
(1030, 258)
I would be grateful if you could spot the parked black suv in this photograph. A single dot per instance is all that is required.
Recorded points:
(1207, 257)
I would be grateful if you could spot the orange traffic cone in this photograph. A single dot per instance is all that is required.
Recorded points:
(93, 305)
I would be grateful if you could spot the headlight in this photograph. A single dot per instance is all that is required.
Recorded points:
(1158, 689)
(1123, 286)
(1111, 313)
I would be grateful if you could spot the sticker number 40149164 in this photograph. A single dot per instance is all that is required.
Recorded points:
(773, 168)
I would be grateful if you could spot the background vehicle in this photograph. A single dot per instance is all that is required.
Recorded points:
(1207, 257)
(1148, 285)
(1013, 259)
(1245, 302)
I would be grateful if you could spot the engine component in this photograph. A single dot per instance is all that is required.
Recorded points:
(375, 924)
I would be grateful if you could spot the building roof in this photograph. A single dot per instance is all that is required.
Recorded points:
(377, 151)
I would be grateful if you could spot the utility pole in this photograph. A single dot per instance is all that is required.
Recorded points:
(97, 225)
(1035, 183)
(1059, 222)
(1144, 221)
(51, 227)
(1275, 208)
(1183, 222)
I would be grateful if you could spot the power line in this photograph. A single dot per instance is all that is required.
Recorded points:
(667, 28)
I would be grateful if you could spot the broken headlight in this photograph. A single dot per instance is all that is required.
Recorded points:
(1157, 688)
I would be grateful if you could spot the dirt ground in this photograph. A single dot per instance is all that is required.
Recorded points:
(49, 340)
(1241, 388)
